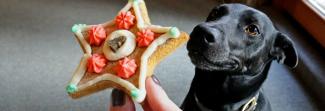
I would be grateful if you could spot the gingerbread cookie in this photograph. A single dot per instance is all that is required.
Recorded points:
(121, 53)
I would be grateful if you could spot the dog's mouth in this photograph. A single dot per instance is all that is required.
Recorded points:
(225, 64)
(202, 62)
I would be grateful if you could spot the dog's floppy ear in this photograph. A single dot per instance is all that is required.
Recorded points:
(284, 51)
(217, 12)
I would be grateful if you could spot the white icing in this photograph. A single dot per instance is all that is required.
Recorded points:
(137, 11)
(109, 23)
(126, 49)
(126, 8)
(80, 71)
(108, 77)
(83, 42)
(145, 56)
(158, 29)
(142, 76)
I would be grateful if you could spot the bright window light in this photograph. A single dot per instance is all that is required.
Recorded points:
(319, 4)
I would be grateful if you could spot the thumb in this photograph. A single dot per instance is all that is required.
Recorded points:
(157, 98)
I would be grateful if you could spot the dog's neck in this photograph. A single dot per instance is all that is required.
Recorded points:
(214, 88)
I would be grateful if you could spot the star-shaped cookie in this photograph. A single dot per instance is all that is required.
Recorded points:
(122, 52)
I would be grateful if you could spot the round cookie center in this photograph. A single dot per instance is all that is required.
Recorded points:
(119, 44)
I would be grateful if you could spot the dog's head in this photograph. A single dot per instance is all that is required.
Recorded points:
(236, 37)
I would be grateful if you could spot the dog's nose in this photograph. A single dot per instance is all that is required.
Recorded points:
(209, 34)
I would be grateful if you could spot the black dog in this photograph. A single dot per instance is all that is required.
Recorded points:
(232, 51)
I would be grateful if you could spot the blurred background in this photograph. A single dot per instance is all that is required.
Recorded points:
(38, 53)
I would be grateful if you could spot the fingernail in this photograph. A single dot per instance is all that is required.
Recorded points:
(118, 97)
(155, 79)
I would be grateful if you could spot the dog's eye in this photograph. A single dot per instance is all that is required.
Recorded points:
(252, 30)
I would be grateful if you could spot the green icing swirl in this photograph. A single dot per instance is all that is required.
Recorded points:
(174, 32)
(135, 93)
(135, 1)
(71, 88)
(77, 27)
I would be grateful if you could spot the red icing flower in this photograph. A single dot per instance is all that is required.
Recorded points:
(125, 20)
(126, 68)
(97, 35)
(145, 37)
(96, 63)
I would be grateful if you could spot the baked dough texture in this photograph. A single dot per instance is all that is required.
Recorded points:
(167, 40)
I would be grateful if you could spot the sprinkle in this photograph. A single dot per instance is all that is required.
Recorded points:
(174, 32)
(76, 27)
(135, 93)
(71, 88)
(135, 1)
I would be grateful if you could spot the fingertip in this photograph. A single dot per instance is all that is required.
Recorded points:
(121, 102)
(157, 97)
(118, 97)
(155, 79)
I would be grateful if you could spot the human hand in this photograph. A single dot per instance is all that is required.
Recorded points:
(156, 100)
